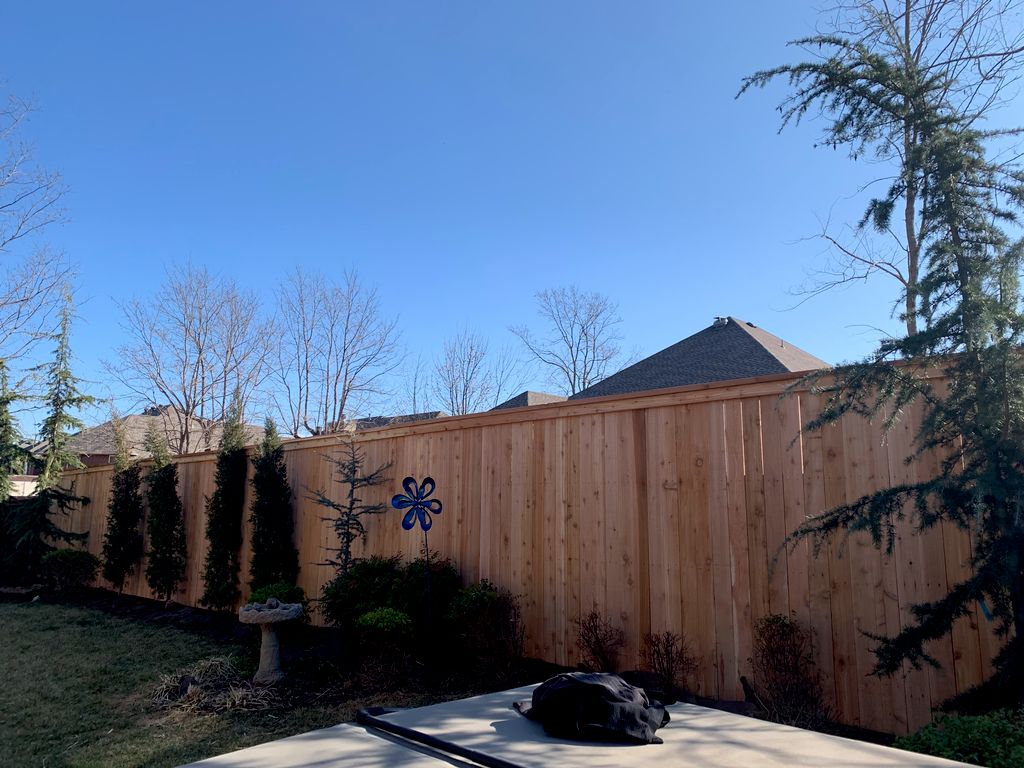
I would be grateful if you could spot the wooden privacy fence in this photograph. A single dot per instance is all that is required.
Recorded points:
(667, 510)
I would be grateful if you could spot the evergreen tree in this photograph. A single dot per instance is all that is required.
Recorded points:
(887, 79)
(165, 566)
(347, 514)
(122, 543)
(28, 523)
(61, 399)
(961, 362)
(274, 556)
(224, 511)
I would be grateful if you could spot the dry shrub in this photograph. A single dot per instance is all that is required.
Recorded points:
(599, 642)
(668, 657)
(211, 685)
(786, 683)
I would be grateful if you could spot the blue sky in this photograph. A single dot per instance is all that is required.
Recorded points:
(460, 155)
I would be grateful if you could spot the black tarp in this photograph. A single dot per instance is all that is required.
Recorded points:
(595, 707)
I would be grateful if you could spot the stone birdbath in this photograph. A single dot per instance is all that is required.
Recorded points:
(267, 615)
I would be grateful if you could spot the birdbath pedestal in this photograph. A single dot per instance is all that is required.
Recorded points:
(267, 615)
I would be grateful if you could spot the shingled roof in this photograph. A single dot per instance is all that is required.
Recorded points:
(101, 442)
(728, 349)
(529, 397)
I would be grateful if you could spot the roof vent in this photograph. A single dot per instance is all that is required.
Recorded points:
(751, 325)
(720, 321)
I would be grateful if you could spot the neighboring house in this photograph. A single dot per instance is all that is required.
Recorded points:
(377, 422)
(97, 445)
(728, 349)
(524, 399)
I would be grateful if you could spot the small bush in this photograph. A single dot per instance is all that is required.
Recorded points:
(667, 656)
(369, 584)
(282, 590)
(69, 570)
(785, 681)
(995, 740)
(385, 623)
(488, 626)
(425, 592)
(385, 636)
(599, 642)
(286, 593)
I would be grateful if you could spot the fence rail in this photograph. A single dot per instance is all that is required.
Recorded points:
(668, 511)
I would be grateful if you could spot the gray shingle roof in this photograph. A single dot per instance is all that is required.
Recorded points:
(376, 422)
(101, 440)
(530, 398)
(728, 349)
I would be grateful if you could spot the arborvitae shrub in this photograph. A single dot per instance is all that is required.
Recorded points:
(122, 543)
(224, 511)
(274, 556)
(165, 566)
(69, 570)
(785, 680)
(600, 642)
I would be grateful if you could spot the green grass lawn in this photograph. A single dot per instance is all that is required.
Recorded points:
(77, 683)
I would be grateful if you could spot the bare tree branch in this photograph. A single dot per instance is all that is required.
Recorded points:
(34, 278)
(197, 343)
(467, 379)
(581, 347)
(335, 349)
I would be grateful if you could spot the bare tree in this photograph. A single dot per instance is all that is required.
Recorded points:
(196, 344)
(34, 278)
(468, 380)
(874, 66)
(336, 347)
(416, 388)
(581, 346)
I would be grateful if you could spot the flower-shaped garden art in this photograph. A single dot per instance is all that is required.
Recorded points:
(420, 507)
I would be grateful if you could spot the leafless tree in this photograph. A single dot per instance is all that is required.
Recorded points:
(336, 347)
(30, 201)
(467, 379)
(875, 65)
(581, 346)
(416, 387)
(196, 344)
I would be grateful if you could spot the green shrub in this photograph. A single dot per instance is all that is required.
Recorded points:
(425, 591)
(165, 561)
(369, 584)
(488, 626)
(224, 511)
(122, 543)
(785, 680)
(274, 556)
(69, 570)
(282, 590)
(995, 740)
(385, 623)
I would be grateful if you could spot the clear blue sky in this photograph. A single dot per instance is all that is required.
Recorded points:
(460, 155)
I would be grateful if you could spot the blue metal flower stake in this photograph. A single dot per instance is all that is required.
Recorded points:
(421, 508)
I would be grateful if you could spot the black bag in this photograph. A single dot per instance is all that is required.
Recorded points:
(594, 707)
